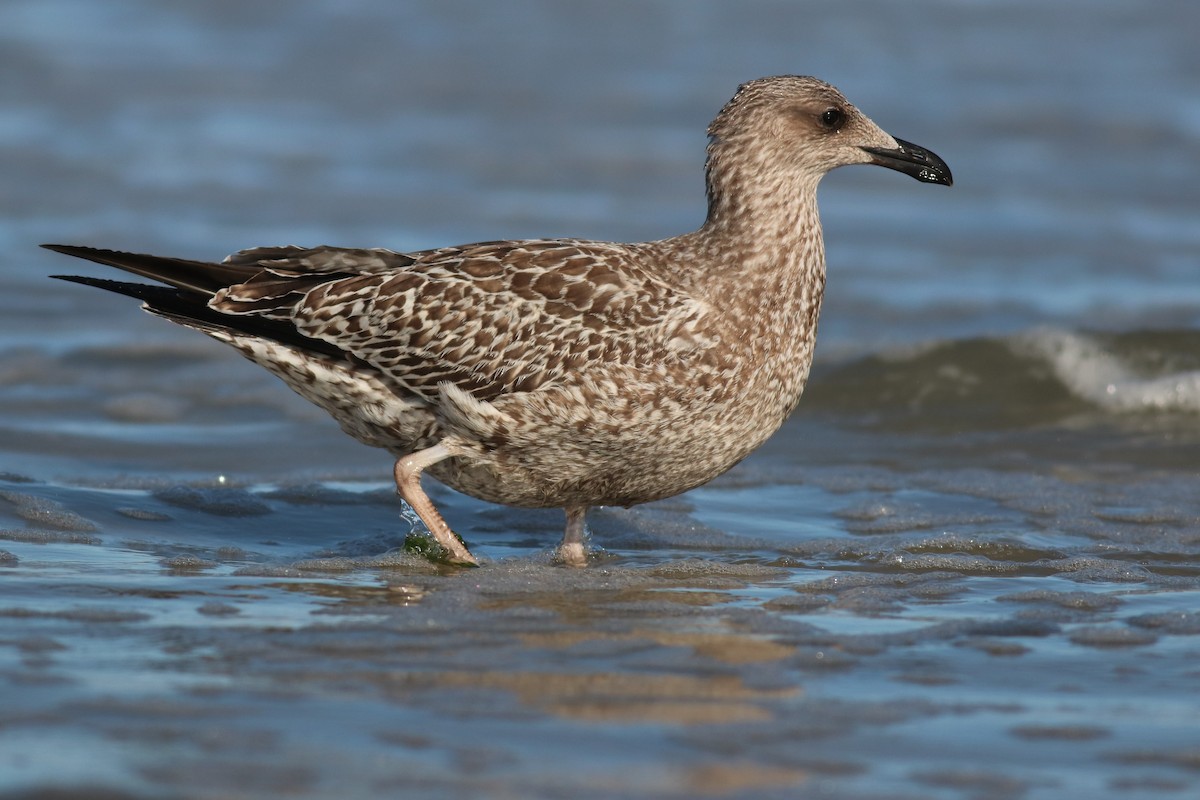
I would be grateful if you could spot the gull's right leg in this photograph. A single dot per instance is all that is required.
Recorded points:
(573, 550)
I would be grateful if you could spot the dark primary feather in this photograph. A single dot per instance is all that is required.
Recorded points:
(189, 306)
(195, 276)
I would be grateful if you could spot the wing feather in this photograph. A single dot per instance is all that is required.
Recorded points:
(489, 318)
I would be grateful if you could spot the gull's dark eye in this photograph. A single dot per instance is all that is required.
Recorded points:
(833, 119)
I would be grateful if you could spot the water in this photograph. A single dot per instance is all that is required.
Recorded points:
(968, 567)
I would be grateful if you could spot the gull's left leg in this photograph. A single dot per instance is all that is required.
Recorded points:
(408, 486)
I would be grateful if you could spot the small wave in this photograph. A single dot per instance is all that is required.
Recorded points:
(1093, 370)
(1030, 378)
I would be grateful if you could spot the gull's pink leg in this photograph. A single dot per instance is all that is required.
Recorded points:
(572, 551)
(408, 486)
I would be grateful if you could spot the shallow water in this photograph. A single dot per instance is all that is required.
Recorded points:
(968, 567)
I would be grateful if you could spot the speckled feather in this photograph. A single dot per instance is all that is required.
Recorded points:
(564, 372)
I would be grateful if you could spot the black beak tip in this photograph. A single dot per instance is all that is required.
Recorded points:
(914, 160)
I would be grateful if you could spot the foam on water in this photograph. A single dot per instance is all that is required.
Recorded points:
(1043, 376)
(1098, 375)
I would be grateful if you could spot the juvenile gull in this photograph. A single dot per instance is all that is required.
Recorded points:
(559, 373)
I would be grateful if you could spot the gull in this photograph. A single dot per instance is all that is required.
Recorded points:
(559, 373)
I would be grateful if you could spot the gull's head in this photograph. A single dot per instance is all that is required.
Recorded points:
(805, 127)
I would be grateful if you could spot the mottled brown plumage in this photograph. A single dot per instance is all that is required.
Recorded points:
(562, 373)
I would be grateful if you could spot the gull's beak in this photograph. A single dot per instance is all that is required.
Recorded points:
(910, 159)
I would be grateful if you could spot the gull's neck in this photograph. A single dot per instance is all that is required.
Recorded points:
(763, 217)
